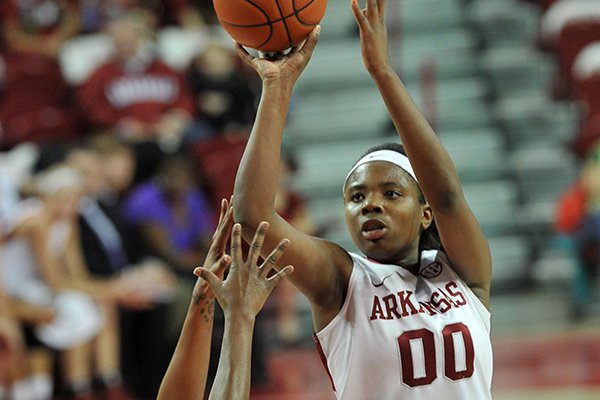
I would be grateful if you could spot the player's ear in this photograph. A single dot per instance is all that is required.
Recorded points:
(427, 216)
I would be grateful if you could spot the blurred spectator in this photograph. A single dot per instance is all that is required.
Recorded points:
(33, 32)
(205, 11)
(172, 214)
(226, 97)
(578, 218)
(170, 12)
(136, 96)
(12, 351)
(111, 253)
(10, 345)
(25, 371)
(175, 221)
(37, 259)
(31, 374)
(588, 233)
(158, 13)
(118, 163)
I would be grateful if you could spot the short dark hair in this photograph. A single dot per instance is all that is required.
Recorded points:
(430, 237)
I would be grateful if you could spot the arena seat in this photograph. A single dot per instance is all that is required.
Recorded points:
(326, 74)
(493, 203)
(515, 70)
(573, 38)
(218, 159)
(478, 154)
(510, 261)
(588, 92)
(502, 23)
(534, 117)
(542, 172)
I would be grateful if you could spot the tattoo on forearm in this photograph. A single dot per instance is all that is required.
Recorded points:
(206, 304)
(198, 297)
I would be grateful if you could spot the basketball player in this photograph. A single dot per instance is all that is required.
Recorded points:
(409, 318)
(241, 296)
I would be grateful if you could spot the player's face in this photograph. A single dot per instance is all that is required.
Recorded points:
(383, 212)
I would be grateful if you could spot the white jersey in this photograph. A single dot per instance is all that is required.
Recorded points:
(401, 336)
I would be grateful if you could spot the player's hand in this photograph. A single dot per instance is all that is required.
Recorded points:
(373, 34)
(247, 286)
(287, 68)
(216, 260)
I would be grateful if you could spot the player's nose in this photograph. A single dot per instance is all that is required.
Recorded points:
(372, 204)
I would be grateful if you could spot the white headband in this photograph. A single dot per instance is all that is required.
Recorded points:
(390, 156)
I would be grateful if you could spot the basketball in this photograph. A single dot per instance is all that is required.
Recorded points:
(269, 25)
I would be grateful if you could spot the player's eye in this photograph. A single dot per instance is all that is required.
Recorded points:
(391, 194)
(356, 197)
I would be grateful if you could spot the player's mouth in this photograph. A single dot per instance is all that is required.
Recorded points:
(372, 230)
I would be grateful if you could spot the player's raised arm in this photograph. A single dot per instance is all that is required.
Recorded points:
(460, 233)
(317, 262)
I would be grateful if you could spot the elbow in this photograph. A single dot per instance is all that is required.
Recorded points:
(250, 211)
(241, 215)
(248, 217)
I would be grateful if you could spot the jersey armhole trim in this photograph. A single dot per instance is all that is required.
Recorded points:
(345, 306)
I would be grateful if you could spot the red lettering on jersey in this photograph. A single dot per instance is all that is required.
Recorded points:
(450, 300)
(452, 288)
(376, 311)
(440, 303)
(427, 307)
(391, 307)
(405, 302)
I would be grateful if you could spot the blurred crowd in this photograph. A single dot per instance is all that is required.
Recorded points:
(570, 32)
(122, 123)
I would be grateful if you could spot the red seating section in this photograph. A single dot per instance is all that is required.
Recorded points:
(573, 38)
(35, 102)
(218, 159)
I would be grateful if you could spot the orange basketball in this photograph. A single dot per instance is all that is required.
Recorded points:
(269, 25)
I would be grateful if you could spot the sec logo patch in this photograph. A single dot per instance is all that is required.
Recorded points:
(432, 270)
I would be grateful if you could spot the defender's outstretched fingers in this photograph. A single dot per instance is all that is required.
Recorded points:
(213, 280)
(273, 257)
(221, 235)
(257, 243)
(236, 247)
(222, 265)
(225, 205)
(275, 279)
(222, 211)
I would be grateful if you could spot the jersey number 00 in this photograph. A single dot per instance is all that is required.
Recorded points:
(419, 371)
